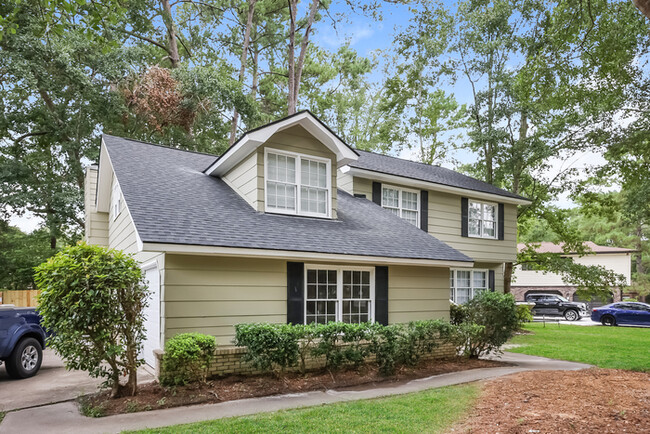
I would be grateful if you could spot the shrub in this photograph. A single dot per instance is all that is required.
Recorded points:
(187, 359)
(497, 314)
(468, 339)
(457, 314)
(342, 344)
(271, 347)
(524, 314)
(419, 338)
(92, 300)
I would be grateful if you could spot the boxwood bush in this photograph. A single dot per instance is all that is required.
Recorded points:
(187, 359)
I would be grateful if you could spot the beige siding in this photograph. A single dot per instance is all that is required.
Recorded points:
(212, 294)
(417, 293)
(620, 263)
(345, 182)
(121, 230)
(243, 179)
(498, 273)
(96, 223)
(445, 224)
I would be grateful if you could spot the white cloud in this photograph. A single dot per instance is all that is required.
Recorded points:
(349, 34)
(26, 223)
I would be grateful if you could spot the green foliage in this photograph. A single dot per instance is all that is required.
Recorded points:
(457, 313)
(92, 300)
(271, 347)
(491, 321)
(187, 359)
(524, 314)
(276, 347)
(19, 254)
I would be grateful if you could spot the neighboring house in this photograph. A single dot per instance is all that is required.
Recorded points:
(290, 224)
(527, 280)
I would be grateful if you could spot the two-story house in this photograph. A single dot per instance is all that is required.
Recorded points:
(291, 224)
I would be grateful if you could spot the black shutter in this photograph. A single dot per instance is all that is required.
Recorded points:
(491, 280)
(295, 292)
(424, 210)
(501, 219)
(464, 216)
(381, 295)
(376, 193)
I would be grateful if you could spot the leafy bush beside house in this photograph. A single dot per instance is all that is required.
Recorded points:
(92, 300)
(187, 359)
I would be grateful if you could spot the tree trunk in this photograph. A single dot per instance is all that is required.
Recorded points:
(171, 34)
(507, 277)
(303, 49)
(643, 6)
(256, 56)
(640, 269)
(291, 101)
(242, 68)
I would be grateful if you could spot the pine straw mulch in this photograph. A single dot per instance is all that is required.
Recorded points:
(587, 401)
(152, 396)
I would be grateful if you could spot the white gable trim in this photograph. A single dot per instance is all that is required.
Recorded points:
(426, 185)
(252, 140)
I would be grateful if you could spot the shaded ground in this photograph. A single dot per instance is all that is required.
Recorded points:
(593, 400)
(153, 396)
(52, 383)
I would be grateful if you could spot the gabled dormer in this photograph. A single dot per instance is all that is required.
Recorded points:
(286, 167)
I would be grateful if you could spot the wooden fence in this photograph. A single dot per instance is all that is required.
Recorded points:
(20, 298)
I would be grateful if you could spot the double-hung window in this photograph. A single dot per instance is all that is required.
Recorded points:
(482, 220)
(343, 294)
(297, 184)
(466, 284)
(402, 203)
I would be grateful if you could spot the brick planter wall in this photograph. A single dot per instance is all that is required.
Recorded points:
(228, 361)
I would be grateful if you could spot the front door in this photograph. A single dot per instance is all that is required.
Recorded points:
(152, 315)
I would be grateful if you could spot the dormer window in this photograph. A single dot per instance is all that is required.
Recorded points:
(116, 201)
(297, 184)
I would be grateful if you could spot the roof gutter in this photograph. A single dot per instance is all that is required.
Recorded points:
(427, 185)
(189, 249)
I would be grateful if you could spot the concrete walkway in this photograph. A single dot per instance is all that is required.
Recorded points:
(65, 417)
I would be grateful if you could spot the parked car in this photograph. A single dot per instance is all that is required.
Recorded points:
(625, 312)
(551, 304)
(22, 340)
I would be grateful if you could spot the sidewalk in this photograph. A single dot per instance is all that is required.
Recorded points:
(65, 417)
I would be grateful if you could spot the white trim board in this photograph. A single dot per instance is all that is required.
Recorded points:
(426, 185)
(189, 249)
(252, 140)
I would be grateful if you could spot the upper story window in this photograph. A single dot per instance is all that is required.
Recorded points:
(297, 184)
(116, 201)
(402, 202)
(482, 219)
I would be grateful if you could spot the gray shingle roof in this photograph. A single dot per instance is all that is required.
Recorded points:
(172, 201)
(424, 172)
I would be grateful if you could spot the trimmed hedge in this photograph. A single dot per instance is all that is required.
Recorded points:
(187, 359)
(277, 347)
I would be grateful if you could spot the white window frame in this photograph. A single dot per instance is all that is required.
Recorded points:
(116, 201)
(339, 288)
(496, 219)
(298, 158)
(401, 209)
(472, 288)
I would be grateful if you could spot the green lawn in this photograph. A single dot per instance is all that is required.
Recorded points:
(606, 347)
(430, 411)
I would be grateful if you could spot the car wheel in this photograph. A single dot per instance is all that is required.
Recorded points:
(26, 359)
(608, 320)
(571, 315)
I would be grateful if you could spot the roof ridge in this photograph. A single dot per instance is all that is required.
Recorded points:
(400, 158)
(160, 146)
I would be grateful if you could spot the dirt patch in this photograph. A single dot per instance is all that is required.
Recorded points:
(593, 400)
(153, 396)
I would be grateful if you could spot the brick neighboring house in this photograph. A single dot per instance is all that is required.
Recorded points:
(527, 281)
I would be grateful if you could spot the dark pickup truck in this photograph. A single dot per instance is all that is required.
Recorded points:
(551, 304)
(22, 340)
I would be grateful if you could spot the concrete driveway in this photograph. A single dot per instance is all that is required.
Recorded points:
(52, 384)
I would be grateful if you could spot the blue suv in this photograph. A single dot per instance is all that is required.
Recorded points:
(22, 340)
